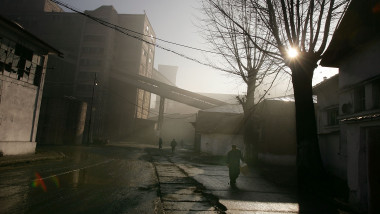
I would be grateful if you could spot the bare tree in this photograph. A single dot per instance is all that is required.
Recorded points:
(304, 26)
(232, 32)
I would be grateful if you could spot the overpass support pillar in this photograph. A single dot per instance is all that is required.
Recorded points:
(161, 114)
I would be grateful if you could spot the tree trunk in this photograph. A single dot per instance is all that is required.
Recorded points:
(249, 108)
(309, 162)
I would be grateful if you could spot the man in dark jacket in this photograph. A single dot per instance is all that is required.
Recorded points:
(173, 144)
(160, 143)
(233, 159)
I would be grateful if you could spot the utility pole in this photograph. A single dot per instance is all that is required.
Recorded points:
(89, 131)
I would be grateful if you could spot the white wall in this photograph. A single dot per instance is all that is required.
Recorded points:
(17, 109)
(333, 157)
(353, 150)
(220, 144)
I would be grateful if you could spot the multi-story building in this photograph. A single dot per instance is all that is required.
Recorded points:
(92, 52)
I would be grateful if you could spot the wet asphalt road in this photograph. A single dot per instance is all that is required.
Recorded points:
(130, 178)
(88, 180)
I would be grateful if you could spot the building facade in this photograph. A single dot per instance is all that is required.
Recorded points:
(23, 60)
(92, 52)
(333, 150)
(216, 129)
(355, 50)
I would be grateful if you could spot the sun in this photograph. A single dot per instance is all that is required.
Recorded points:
(292, 52)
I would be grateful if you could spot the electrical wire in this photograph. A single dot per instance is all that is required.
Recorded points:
(124, 28)
(120, 29)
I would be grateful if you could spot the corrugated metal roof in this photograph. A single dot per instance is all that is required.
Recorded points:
(362, 117)
(289, 98)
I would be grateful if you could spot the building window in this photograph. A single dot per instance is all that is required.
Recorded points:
(332, 116)
(359, 99)
(19, 62)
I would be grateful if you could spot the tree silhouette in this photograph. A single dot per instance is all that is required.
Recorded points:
(233, 33)
(303, 26)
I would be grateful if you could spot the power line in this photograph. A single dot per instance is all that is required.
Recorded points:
(120, 29)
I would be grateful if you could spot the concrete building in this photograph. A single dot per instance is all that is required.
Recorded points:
(168, 74)
(92, 52)
(216, 129)
(179, 127)
(355, 50)
(333, 153)
(179, 118)
(23, 60)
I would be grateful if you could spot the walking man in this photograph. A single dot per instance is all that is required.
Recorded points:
(173, 144)
(233, 159)
(160, 143)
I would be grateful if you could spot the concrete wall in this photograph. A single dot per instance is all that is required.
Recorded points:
(17, 148)
(220, 144)
(276, 132)
(17, 109)
(61, 121)
(333, 154)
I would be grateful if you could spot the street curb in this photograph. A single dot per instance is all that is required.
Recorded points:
(23, 159)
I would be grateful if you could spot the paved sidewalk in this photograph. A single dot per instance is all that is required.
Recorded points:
(254, 193)
(178, 192)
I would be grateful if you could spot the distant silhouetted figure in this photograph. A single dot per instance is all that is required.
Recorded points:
(160, 143)
(233, 159)
(173, 144)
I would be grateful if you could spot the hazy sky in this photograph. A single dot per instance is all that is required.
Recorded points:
(176, 21)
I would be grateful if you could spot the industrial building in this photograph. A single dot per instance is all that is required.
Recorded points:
(92, 53)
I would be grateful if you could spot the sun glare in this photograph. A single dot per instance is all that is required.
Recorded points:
(292, 52)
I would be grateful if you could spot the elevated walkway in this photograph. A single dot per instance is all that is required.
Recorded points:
(167, 91)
